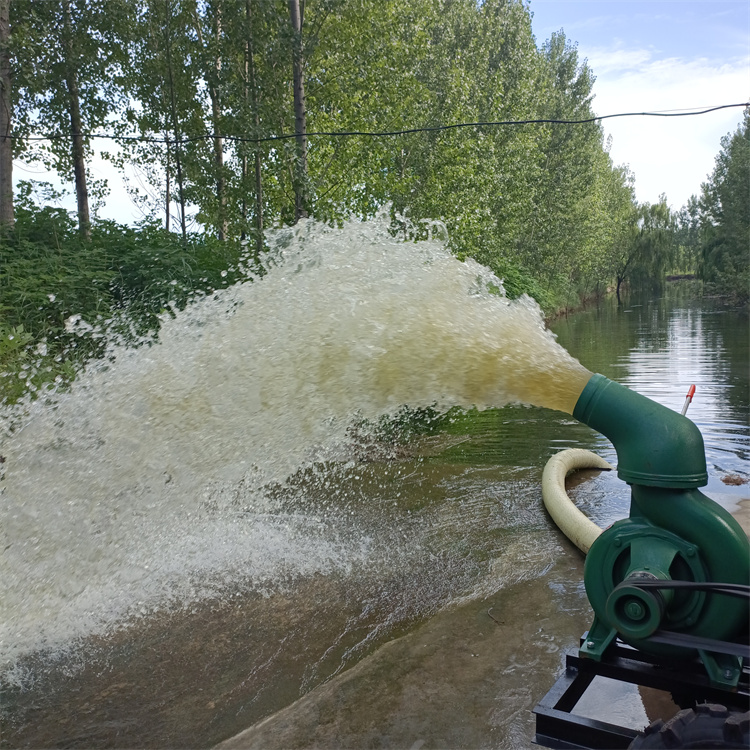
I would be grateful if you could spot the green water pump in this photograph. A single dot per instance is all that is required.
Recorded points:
(666, 579)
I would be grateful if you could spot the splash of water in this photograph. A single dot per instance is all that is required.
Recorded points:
(143, 486)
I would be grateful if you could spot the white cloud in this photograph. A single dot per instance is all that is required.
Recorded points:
(671, 155)
(617, 60)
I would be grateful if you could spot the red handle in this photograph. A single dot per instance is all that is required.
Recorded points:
(688, 399)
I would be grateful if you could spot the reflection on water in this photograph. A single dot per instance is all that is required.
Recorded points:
(660, 348)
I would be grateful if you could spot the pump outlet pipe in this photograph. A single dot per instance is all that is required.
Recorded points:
(658, 579)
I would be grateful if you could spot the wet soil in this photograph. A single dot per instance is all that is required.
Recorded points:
(468, 678)
(185, 679)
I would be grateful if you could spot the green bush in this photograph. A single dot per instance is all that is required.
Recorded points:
(125, 276)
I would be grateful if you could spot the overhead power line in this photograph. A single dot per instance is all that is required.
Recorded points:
(371, 134)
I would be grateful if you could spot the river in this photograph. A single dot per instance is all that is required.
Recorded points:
(445, 600)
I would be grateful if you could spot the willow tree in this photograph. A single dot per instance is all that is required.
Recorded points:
(643, 259)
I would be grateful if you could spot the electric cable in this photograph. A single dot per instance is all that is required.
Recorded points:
(370, 134)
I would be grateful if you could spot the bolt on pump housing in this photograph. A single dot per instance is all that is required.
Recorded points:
(654, 579)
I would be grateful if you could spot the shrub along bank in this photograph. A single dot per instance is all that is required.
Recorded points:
(62, 297)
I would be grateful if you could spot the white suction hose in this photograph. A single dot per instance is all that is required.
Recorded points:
(571, 521)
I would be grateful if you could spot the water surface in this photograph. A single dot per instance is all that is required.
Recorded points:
(440, 543)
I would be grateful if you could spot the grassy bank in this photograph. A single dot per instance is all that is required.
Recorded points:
(62, 299)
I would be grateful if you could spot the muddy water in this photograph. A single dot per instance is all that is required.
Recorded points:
(452, 618)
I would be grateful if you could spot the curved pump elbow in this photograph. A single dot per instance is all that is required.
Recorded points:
(656, 447)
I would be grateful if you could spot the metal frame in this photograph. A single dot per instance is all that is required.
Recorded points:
(558, 727)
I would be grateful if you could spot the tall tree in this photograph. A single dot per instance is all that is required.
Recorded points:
(251, 101)
(564, 185)
(687, 237)
(211, 54)
(479, 64)
(643, 259)
(71, 65)
(725, 216)
(167, 110)
(208, 81)
(7, 214)
(174, 118)
(151, 149)
(610, 224)
(360, 61)
(70, 68)
(296, 16)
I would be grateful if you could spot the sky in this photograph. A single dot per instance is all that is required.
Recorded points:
(656, 56)
(647, 56)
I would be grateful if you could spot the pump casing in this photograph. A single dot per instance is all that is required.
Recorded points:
(653, 579)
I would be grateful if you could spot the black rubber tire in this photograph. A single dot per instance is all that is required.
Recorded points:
(706, 726)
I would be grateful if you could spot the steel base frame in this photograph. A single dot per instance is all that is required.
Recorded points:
(559, 728)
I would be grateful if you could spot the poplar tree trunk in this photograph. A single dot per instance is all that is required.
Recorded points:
(221, 196)
(167, 184)
(300, 116)
(218, 140)
(251, 93)
(74, 111)
(175, 121)
(7, 215)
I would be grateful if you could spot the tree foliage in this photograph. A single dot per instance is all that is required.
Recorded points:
(646, 250)
(62, 294)
(725, 217)
(203, 98)
(69, 58)
(712, 235)
(189, 84)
